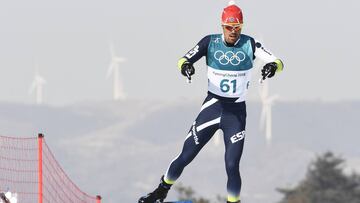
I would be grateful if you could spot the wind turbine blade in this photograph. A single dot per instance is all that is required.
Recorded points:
(32, 87)
(112, 50)
(37, 69)
(119, 59)
(110, 70)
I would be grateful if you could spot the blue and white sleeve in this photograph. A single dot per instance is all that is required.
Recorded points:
(267, 56)
(196, 53)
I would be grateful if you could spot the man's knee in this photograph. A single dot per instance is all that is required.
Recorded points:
(232, 166)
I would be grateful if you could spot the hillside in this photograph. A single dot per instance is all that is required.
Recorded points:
(120, 149)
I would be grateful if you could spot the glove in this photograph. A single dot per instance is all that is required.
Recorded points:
(187, 69)
(269, 70)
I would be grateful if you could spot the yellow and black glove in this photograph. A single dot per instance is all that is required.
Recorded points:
(271, 68)
(268, 70)
(187, 69)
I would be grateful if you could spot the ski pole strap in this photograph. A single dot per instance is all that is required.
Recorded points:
(188, 76)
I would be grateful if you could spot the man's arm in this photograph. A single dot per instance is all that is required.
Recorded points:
(200, 50)
(266, 56)
(272, 63)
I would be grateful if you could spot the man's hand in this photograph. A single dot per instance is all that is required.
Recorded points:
(268, 70)
(187, 69)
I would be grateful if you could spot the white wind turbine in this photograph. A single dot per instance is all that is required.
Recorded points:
(114, 69)
(37, 86)
(266, 117)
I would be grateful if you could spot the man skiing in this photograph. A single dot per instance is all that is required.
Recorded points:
(229, 58)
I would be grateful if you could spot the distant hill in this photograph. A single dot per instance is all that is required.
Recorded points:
(120, 149)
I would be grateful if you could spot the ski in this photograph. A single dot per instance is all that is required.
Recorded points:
(183, 201)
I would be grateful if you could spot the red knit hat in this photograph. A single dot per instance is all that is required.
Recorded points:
(232, 14)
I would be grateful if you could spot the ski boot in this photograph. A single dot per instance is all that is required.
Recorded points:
(4, 198)
(158, 195)
(233, 202)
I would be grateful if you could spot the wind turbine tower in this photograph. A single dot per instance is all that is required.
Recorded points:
(114, 69)
(37, 86)
(217, 137)
(266, 115)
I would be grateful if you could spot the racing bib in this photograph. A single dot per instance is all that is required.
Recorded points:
(229, 83)
(229, 67)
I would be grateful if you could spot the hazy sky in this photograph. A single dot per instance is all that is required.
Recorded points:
(69, 40)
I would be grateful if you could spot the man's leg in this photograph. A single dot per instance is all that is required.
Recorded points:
(204, 127)
(233, 124)
(199, 134)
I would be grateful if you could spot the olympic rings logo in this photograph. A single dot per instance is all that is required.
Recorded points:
(229, 57)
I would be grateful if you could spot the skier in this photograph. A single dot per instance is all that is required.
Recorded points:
(229, 58)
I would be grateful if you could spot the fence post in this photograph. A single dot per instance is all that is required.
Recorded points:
(40, 167)
(98, 199)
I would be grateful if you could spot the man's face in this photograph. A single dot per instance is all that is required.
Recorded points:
(232, 32)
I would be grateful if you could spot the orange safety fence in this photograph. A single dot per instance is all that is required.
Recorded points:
(29, 169)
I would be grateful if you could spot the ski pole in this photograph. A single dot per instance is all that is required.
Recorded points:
(261, 80)
(188, 76)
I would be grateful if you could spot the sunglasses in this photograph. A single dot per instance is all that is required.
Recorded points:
(233, 28)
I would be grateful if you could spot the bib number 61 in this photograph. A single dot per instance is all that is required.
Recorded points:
(226, 85)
